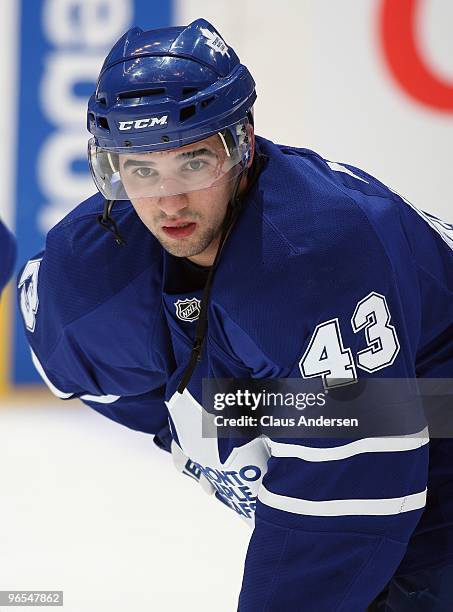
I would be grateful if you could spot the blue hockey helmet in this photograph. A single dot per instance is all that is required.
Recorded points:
(165, 89)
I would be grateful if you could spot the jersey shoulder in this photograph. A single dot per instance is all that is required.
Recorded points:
(89, 296)
(316, 203)
(83, 266)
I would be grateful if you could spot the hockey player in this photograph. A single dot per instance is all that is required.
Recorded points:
(227, 256)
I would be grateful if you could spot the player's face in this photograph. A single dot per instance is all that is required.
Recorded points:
(187, 224)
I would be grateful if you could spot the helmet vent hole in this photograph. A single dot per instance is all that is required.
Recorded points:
(188, 91)
(137, 94)
(208, 101)
(187, 112)
(103, 123)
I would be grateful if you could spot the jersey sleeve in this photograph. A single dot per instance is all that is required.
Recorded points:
(69, 378)
(334, 516)
(79, 328)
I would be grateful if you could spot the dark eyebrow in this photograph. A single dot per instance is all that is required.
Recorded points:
(196, 153)
(184, 155)
(137, 162)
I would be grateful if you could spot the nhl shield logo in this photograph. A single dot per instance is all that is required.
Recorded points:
(188, 310)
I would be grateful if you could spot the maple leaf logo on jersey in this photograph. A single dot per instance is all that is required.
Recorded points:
(188, 310)
(215, 42)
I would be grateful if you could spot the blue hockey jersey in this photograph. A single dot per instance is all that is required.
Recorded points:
(326, 272)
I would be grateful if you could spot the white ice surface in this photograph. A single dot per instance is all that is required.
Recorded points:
(96, 510)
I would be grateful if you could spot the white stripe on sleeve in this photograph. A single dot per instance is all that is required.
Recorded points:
(343, 507)
(100, 399)
(52, 387)
(364, 445)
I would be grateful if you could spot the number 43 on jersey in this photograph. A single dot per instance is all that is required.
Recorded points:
(327, 356)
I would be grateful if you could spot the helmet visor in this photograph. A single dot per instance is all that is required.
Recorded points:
(152, 174)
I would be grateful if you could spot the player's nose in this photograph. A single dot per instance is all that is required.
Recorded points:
(172, 204)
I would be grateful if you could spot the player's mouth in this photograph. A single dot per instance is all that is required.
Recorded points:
(179, 230)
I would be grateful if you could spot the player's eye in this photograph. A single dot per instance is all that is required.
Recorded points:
(194, 165)
(145, 172)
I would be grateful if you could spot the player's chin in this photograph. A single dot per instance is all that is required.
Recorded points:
(180, 248)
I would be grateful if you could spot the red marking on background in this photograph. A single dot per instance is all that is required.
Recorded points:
(404, 55)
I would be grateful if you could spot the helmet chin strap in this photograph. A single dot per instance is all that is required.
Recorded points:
(233, 209)
(107, 222)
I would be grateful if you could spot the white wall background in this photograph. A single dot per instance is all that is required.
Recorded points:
(9, 62)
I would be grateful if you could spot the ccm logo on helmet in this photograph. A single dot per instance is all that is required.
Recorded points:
(143, 123)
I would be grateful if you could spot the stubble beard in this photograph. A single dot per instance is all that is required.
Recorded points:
(193, 245)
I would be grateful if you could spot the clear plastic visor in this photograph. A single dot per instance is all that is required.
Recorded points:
(154, 174)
